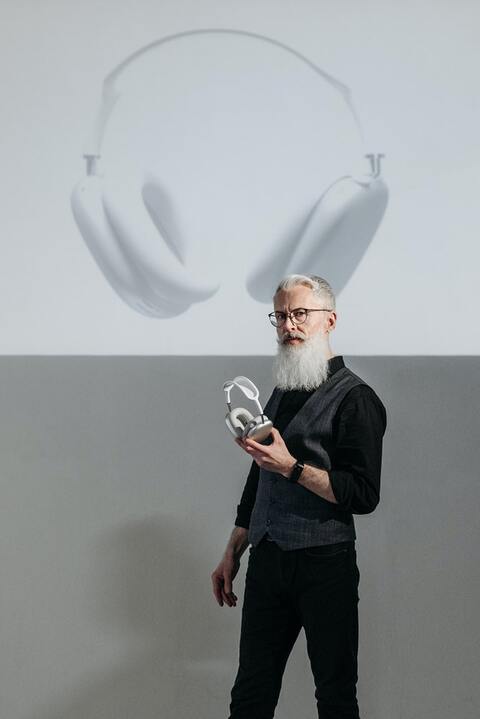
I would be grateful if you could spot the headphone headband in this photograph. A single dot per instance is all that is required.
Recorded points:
(110, 93)
(246, 386)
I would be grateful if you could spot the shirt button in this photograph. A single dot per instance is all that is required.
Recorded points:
(268, 521)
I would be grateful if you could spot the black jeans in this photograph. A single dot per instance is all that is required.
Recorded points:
(315, 588)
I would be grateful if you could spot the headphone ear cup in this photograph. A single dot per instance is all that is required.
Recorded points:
(260, 428)
(340, 229)
(159, 207)
(142, 270)
(87, 208)
(237, 420)
(333, 240)
(152, 256)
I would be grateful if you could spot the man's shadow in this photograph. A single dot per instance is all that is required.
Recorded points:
(170, 644)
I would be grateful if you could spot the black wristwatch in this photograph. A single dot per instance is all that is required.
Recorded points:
(296, 471)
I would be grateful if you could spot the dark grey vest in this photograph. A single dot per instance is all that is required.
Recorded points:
(294, 516)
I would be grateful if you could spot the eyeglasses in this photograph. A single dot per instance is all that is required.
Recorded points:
(297, 316)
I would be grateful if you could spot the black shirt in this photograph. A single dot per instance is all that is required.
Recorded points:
(358, 428)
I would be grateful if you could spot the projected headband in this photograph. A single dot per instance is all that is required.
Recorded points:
(240, 421)
(149, 275)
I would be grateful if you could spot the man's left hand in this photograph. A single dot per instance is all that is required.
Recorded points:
(274, 457)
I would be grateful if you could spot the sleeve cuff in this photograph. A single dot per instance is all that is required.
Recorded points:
(243, 517)
(341, 482)
(343, 488)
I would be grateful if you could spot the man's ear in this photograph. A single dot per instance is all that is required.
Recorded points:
(333, 324)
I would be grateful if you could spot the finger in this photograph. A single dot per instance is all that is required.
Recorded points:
(230, 599)
(254, 454)
(221, 595)
(240, 442)
(261, 458)
(257, 451)
(217, 590)
(249, 442)
(228, 590)
(277, 437)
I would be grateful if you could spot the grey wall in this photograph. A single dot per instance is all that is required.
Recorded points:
(119, 489)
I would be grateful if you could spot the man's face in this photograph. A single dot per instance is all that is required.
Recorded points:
(294, 298)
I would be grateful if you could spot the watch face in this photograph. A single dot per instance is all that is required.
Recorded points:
(297, 471)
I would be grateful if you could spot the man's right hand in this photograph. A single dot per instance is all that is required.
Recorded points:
(222, 579)
(225, 573)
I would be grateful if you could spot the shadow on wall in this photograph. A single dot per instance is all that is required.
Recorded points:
(149, 581)
(108, 604)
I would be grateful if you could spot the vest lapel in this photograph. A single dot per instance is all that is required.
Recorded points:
(271, 407)
(309, 410)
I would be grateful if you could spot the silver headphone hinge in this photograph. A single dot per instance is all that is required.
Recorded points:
(375, 163)
(92, 165)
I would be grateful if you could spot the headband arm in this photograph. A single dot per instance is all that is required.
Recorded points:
(253, 396)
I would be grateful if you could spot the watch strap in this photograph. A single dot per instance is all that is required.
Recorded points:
(296, 471)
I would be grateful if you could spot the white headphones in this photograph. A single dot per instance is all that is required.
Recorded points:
(149, 275)
(240, 421)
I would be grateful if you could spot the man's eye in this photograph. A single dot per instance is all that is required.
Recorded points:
(280, 316)
(299, 314)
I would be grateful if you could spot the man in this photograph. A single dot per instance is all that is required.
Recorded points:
(322, 466)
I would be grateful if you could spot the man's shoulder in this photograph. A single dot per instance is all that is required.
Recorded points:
(362, 391)
(362, 396)
(360, 387)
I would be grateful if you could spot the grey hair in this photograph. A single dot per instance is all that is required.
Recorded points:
(320, 287)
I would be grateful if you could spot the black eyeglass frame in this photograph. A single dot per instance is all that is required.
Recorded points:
(273, 315)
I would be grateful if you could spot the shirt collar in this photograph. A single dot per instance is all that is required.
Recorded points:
(334, 364)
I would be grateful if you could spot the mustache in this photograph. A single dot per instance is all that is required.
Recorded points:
(292, 335)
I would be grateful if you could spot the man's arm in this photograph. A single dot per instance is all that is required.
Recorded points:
(353, 483)
(317, 481)
(224, 574)
(237, 542)
(244, 509)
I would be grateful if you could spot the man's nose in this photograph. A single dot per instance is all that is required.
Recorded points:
(289, 324)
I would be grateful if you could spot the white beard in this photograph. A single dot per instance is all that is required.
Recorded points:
(302, 366)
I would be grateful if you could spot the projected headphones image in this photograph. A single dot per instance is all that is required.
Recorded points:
(146, 270)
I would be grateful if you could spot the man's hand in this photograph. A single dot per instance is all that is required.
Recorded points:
(224, 574)
(222, 579)
(274, 457)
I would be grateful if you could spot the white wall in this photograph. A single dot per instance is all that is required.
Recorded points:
(244, 139)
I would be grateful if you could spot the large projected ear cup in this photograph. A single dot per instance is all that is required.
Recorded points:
(87, 207)
(138, 263)
(159, 207)
(237, 420)
(334, 238)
